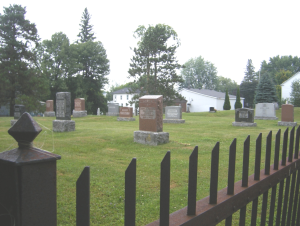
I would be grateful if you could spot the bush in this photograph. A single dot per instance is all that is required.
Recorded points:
(226, 105)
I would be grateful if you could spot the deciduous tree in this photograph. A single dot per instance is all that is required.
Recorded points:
(295, 94)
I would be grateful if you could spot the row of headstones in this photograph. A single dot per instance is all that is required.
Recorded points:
(265, 111)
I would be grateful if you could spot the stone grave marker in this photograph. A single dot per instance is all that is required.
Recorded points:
(63, 122)
(49, 109)
(287, 115)
(265, 111)
(19, 110)
(212, 109)
(98, 111)
(113, 109)
(151, 121)
(244, 117)
(173, 114)
(126, 114)
(79, 108)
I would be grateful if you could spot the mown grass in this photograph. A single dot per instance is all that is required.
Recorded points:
(106, 145)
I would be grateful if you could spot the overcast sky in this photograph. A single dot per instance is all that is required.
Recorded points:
(225, 33)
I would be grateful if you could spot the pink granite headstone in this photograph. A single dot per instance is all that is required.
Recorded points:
(287, 113)
(126, 112)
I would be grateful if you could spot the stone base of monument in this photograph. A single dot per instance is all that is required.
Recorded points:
(13, 121)
(63, 125)
(281, 123)
(49, 113)
(78, 114)
(176, 121)
(151, 138)
(125, 119)
(112, 114)
(265, 118)
(244, 124)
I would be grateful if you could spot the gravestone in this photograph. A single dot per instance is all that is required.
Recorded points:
(19, 110)
(113, 109)
(173, 114)
(63, 122)
(98, 111)
(265, 111)
(287, 115)
(244, 117)
(79, 108)
(49, 109)
(126, 114)
(151, 121)
(212, 109)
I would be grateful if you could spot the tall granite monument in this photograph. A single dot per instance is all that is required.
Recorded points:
(19, 109)
(126, 114)
(287, 115)
(265, 111)
(244, 117)
(79, 108)
(151, 121)
(63, 122)
(49, 109)
(173, 114)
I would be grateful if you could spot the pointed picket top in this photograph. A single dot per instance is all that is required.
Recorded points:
(25, 130)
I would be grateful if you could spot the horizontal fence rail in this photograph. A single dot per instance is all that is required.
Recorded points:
(279, 181)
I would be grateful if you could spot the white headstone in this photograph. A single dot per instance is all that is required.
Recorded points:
(265, 111)
(98, 111)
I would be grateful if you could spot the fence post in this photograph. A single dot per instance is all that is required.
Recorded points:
(28, 179)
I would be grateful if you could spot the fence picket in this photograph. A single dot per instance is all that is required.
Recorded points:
(257, 157)
(277, 147)
(291, 147)
(254, 211)
(231, 167)
(292, 190)
(264, 209)
(296, 198)
(268, 153)
(285, 201)
(296, 155)
(246, 162)
(165, 190)
(130, 193)
(284, 146)
(272, 205)
(192, 186)
(214, 174)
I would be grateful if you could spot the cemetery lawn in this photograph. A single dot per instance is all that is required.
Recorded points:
(106, 145)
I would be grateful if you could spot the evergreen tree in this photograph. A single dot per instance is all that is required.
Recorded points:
(154, 64)
(86, 28)
(238, 103)
(20, 81)
(295, 94)
(226, 105)
(265, 92)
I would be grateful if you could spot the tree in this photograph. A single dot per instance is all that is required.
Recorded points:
(86, 33)
(265, 92)
(226, 105)
(20, 81)
(199, 74)
(249, 84)
(224, 84)
(238, 103)
(154, 64)
(295, 94)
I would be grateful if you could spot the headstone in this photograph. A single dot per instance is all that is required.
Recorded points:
(63, 122)
(173, 115)
(265, 111)
(19, 110)
(244, 117)
(79, 108)
(287, 115)
(151, 121)
(113, 109)
(212, 109)
(276, 105)
(98, 111)
(126, 114)
(49, 109)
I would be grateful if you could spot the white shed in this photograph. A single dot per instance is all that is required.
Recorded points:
(286, 86)
(200, 100)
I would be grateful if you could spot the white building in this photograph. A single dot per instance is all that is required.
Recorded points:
(200, 100)
(286, 86)
(123, 97)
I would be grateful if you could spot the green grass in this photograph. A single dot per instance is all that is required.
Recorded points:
(106, 145)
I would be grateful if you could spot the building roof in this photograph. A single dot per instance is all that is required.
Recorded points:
(211, 93)
(298, 73)
(123, 91)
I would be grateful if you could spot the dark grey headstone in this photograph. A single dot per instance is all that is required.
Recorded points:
(113, 109)
(211, 109)
(244, 115)
(19, 110)
(173, 112)
(63, 106)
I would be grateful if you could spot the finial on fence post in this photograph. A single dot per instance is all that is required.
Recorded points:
(28, 179)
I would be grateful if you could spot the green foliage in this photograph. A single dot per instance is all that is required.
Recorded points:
(265, 92)
(86, 28)
(226, 105)
(20, 81)
(281, 68)
(278, 94)
(224, 84)
(154, 63)
(109, 95)
(250, 74)
(295, 94)
(238, 103)
(197, 73)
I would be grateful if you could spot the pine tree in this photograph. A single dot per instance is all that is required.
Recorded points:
(86, 33)
(226, 105)
(265, 92)
(238, 103)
